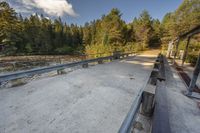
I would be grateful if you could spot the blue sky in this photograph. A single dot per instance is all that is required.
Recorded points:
(81, 11)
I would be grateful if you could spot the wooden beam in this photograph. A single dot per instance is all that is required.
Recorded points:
(185, 51)
(194, 33)
(191, 33)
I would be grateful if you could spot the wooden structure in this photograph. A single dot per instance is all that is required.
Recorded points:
(196, 72)
(175, 42)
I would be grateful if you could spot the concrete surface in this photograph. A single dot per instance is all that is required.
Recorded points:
(90, 100)
(175, 112)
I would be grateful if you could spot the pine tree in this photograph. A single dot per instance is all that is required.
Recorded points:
(143, 29)
(9, 27)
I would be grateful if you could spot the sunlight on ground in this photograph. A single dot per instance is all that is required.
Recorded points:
(138, 62)
(151, 52)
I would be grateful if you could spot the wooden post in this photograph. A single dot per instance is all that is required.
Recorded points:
(170, 45)
(100, 61)
(116, 55)
(195, 76)
(148, 100)
(14, 68)
(186, 51)
(176, 51)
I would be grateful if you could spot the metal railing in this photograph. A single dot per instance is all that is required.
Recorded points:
(130, 119)
(32, 72)
(131, 116)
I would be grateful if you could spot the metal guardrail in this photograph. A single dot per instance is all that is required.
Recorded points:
(28, 73)
(161, 75)
(131, 116)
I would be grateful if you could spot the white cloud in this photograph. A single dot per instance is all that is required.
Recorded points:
(56, 7)
(52, 7)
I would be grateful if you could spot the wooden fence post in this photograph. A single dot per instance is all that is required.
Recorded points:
(170, 45)
(176, 51)
(186, 51)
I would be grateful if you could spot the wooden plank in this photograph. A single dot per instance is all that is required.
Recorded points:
(161, 112)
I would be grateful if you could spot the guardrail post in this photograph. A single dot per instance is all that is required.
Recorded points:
(100, 61)
(61, 71)
(154, 76)
(14, 68)
(116, 55)
(148, 100)
(85, 65)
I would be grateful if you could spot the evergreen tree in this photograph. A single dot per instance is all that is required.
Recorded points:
(9, 27)
(38, 34)
(143, 29)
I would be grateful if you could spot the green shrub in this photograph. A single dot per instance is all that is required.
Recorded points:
(64, 50)
(192, 58)
(108, 49)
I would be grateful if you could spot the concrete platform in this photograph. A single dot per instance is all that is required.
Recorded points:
(91, 100)
(175, 112)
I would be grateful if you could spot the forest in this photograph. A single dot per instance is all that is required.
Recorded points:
(39, 35)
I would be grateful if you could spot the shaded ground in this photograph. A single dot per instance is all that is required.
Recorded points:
(189, 70)
(95, 99)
